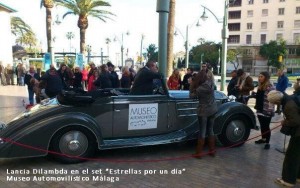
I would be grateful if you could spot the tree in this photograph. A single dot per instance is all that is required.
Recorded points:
(152, 53)
(232, 57)
(171, 23)
(23, 32)
(48, 4)
(70, 35)
(83, 9)
(209, 52)
(28, 40)
(272, 52)
(19, 27)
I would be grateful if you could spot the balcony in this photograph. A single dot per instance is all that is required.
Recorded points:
(237, 3)
(234, 15)
(234, 26)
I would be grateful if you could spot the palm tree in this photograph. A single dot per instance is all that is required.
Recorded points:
(70, 35)
(171, 23)
(48, 4)
(18, 27)
(85, 8)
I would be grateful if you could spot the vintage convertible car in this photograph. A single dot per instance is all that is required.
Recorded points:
(79, 123)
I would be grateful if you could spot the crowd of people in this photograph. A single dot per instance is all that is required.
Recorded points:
(201, 86)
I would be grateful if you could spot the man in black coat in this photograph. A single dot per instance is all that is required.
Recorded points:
(114, 76)
(231, 88)
(143, 82)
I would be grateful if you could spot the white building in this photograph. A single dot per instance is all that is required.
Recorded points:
(6, 42)
(252, 23)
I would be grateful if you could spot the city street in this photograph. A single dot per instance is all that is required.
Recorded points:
(246, 166)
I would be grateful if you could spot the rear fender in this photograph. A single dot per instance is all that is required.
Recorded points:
(39, 134)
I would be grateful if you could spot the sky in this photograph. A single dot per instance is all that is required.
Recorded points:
(134, 16)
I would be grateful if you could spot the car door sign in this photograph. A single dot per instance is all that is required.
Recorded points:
(142, 116)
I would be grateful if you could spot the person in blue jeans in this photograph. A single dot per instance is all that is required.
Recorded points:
(282, 84)
(31, 74)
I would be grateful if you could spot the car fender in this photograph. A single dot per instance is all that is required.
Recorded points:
(230, 109)
(37, 136)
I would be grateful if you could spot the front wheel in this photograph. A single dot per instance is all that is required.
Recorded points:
(235, 131)
(73, 145)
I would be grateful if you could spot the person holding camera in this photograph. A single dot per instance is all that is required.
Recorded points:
(290, 127)
(264, 109)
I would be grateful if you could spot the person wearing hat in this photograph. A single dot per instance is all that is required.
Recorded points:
(264, 109)
(291, 110)
(114, 76)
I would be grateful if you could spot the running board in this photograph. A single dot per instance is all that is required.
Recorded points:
(173, 137)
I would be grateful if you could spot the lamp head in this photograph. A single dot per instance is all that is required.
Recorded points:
(204, 16)
(198, 24)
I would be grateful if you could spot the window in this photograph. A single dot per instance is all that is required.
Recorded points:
(264, 12)
(297, 10)
(281, 11)
(247, 52)
(279, 36)
(264, 25)
(296, 38)
(281, 0)
(234, 39)
(250, 13)
(249, 26)
(263, 38)
(280, 24)
(234, 26)
(297, 23)
(265, 1)
(251, 2)
(292, 51)
(248, 39)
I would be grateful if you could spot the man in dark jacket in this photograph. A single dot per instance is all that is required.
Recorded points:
(143, 82)
(231, 88)
(282, 81)
(53, 82)
(187, 76)
(114, 76)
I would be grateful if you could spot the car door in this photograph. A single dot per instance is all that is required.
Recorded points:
(140, 115)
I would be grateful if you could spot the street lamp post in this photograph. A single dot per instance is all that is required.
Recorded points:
(186, 45)
(122, 46)
(89, 49)
(219, 60)
(224, 38)
(141, 52)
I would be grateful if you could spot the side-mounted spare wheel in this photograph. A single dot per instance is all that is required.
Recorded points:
(73, 144)
(235, 132)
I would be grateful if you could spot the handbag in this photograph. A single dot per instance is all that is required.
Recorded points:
(289, 131)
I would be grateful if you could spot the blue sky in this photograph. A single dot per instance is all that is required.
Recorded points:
(136, 16)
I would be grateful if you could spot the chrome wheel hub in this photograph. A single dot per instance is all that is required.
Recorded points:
(73, 143)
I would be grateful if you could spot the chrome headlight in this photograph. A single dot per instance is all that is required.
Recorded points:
(1, 141)
(2, 126)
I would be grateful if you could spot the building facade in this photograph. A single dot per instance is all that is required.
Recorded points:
(252, 23)
(6, 56)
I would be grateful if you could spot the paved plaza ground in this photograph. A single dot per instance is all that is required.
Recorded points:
(246, 166)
